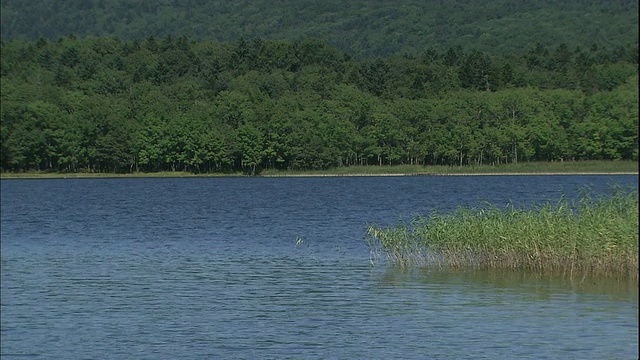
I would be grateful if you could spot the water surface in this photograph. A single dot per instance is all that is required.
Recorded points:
(277, 268)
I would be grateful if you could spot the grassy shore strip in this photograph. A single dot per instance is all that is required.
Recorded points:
(533, 168)
(537, 173)
(545, 168)
(457, 174)
(597, 235)
(9, 176)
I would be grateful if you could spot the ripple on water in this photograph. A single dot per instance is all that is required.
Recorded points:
(173, 268)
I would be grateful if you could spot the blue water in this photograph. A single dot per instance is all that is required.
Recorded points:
(247, 268)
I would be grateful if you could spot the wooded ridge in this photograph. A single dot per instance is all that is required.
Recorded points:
(362, 29)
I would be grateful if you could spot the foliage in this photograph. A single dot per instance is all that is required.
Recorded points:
(363, 29)
(598, 234)
(172, 104)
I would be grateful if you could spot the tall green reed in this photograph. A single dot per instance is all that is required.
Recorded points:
(598, 234)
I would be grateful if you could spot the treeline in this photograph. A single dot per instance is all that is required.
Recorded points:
(364, 29)
(108, 105)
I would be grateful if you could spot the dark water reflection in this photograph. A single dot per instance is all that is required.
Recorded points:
(540, 286)
(212, 268)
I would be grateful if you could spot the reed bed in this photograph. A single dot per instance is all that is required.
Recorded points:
(596, 235)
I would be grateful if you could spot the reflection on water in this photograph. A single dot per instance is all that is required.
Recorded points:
(542, 286)
(197, 304)
(212, 268)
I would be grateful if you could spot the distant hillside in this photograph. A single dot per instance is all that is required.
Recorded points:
(360, 28)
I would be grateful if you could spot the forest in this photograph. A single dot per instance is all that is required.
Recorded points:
(105, 104)
(364, 29)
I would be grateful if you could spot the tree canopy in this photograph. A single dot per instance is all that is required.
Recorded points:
(362, 29)
(170, 103)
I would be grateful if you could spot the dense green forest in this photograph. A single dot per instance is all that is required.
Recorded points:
(362, 29)
(109, 105)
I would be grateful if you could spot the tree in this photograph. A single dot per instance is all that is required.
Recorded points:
(375, 77)
(477, 72)
(250, 147)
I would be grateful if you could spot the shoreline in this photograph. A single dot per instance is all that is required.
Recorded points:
(183, 175)
(457, 174)
(526, 169)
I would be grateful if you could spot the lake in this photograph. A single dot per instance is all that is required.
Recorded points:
(248, 268)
